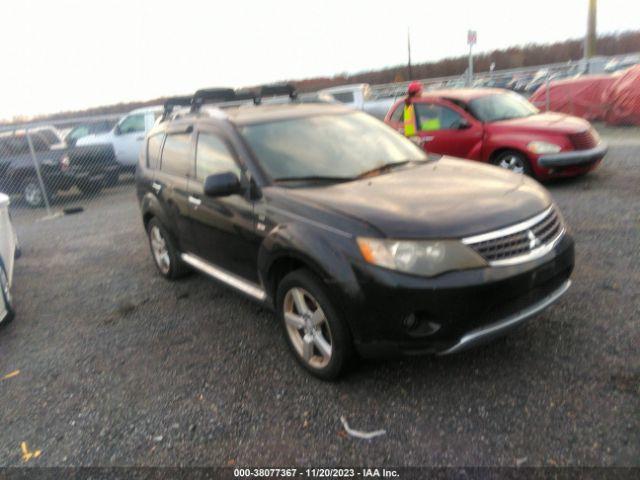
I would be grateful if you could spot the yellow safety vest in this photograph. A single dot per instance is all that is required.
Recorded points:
(409, 120)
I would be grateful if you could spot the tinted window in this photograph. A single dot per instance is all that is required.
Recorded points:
(343, 97)
(49, 136)
(132, 123)
(153, 150)
(213, 156)
(436, 117)
(176, 154)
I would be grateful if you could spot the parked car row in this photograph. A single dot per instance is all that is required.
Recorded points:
(350, 232)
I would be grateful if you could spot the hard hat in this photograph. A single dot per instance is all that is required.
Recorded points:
(415, 88)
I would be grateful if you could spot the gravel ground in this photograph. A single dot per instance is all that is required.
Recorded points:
(119, 367)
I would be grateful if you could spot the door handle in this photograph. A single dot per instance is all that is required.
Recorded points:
(156, 186)
(195, 201)
(140, 138)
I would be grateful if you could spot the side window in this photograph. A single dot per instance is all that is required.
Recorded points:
(176, 154)
(153, 150)
(132, 123)
(213, 156)
(398, 114)
(436, 117)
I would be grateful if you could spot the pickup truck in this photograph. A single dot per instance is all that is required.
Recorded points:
(60, 168)
(126, 137)
(359, 96)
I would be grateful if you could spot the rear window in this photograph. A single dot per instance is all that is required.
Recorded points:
(153, 150)
(176, 154)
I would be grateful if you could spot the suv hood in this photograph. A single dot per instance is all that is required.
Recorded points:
(549, 122)
(446, 198)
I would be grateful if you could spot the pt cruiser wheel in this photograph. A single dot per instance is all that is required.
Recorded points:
(165, 254)
(316, 334)
(9, 311)
(514, 161)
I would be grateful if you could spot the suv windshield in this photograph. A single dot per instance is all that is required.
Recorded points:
(501, 106)
(339, 147)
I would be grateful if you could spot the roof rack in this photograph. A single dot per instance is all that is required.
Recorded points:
(171, 103)
(277, 90)
(226, 95)
(212, 95)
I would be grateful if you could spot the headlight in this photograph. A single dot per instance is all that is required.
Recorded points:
(544, 147)
(422, 257)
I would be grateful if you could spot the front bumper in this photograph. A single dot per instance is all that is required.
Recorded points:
(573, 158)
(453, 311)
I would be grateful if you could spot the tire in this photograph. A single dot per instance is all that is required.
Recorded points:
(6, 297)
(513, 161)
(32, 193)
(309, 333)
(166, 256)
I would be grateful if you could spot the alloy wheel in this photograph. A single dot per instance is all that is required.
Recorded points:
(159, 249)
(308, 328)
(513, 163)
(33, 194)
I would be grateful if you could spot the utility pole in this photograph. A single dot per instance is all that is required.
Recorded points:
(472, 38)
(590, 38)
(409, 53)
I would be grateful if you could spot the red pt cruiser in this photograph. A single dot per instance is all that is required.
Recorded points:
(503, 128)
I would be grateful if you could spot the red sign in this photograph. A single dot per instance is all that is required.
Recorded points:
(472, 37)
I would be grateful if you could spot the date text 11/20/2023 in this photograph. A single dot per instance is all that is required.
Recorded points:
(315, 472)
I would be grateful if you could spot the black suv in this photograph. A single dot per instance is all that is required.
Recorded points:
(59, 168)
(358, 240)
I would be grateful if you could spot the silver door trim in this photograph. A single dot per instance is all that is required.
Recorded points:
(222, 275)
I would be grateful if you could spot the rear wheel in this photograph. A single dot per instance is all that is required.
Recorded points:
(513, 161)
(165, 254)
(313, 329)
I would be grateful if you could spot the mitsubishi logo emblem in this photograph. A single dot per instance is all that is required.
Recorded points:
(533, 240)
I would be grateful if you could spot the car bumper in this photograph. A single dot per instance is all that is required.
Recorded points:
(573, 158)
(397, 314)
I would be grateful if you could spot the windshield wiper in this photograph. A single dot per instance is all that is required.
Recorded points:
(384, 168)
(314, 178)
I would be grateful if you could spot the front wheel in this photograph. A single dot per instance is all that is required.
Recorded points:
(513, 161)
(314, 330)
(32, 193)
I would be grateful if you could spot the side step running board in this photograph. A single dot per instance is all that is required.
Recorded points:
(230, 279)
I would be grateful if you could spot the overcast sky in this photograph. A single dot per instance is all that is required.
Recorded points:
(73, 54)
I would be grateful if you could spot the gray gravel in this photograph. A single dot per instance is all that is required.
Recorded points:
(119, 367)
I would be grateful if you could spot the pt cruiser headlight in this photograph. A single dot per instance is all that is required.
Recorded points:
(421, 257)
(544, 147)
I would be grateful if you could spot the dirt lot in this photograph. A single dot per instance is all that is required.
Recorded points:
(119, 367)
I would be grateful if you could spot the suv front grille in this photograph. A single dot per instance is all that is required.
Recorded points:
(584, 141)
(521, 242)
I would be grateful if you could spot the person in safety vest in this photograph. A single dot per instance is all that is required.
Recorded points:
(414, 90)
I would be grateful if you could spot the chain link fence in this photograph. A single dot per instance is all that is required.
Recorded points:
(50, 168)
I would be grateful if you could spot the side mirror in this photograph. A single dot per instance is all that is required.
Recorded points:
(222, 185)
(463, 124)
